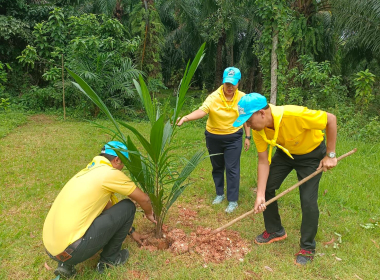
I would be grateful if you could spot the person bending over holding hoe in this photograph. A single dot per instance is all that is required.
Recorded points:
(221, 137)
(297, 133)
(83, 219)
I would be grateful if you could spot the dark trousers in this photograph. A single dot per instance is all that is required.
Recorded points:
(230, 146)
(304, 165)
(107, 232)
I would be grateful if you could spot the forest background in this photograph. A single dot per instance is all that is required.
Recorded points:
(321, 54)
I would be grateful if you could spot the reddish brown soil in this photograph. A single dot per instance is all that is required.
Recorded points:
(212, 247)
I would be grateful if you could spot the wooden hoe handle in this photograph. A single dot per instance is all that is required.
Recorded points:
(281, 194)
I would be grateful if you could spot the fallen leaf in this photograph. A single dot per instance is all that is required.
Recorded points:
(338, 259)
(324, 193)
(374, 242)
(47, 266)
(329, 242)
(268, 268)
(31, 235)
(167, 261)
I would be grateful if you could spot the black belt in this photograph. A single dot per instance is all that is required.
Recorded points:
(66, 254)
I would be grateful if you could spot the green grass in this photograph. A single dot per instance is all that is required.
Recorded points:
(38, 158)
(9, 120)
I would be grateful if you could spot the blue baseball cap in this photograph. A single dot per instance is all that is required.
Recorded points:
(249, 104)
(110, 147)
(231, 75)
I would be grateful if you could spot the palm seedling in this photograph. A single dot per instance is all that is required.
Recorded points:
(153, 168)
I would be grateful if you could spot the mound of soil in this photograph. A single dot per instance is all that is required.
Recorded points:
(212, 247)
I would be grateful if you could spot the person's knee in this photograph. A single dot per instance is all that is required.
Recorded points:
(127, 203)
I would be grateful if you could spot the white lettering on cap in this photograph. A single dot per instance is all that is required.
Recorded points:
(241, 110)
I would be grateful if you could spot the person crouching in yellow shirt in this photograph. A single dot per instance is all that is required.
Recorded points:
(297, 133)
(83, 219)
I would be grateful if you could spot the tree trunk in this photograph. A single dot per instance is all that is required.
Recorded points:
(219, 61)
(63, 91)
(273, 68)
(158, 231)
(250, 81)
(230, 55)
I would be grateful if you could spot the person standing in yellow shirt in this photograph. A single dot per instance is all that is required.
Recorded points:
(83, 219)
(222, 138)
(297, 133)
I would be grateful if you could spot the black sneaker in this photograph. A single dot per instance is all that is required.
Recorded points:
(65, 270)
(267, 238)
(121, 259)
(304, 257)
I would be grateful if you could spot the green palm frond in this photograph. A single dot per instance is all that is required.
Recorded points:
(359, 22)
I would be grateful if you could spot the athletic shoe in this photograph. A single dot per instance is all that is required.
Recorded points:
(267, 238)
(304, 257)
(65, 270)
(231, 206)
(121, 259)
(218, 199)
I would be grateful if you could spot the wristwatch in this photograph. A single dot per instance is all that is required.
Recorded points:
(248, 137)
(331, 155)
(131, 231)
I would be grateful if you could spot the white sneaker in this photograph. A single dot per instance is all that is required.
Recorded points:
(231, 206)
(218, 199)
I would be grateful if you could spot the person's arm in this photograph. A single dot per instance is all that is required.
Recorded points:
(144, 201)
(262, 178)
(195, 115)
(108, 206)
(331, 133)
(247, 142)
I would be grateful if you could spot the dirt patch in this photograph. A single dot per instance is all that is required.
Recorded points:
(186, 216)
(41, 118)
(212, 247)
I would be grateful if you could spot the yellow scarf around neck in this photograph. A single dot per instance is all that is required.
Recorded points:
(277, 113)
(224, 100)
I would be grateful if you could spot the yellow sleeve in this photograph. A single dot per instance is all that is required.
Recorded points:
(118, 182)
(312, 119)
(207, 103)
(261, 145)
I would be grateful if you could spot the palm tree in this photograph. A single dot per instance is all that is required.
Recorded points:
(359, 25)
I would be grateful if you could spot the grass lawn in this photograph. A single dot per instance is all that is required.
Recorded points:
(37, 159)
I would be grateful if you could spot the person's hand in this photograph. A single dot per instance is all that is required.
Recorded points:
(150, 217)
(260, 204)
(247, 144)
(327, 163)
(137, 237)
(180, 121)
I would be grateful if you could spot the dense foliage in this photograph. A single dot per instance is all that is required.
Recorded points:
(322, 54)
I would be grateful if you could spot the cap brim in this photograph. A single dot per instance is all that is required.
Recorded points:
(230, 80)
(241, 120)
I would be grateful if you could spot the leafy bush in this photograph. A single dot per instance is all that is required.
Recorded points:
(363, 83)
(314, 85)
(95, 47)
(40, 99)
(356, 125)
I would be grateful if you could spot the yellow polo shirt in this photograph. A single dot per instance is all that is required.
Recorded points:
(300, 130)
(221, 112)
(80, 201)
